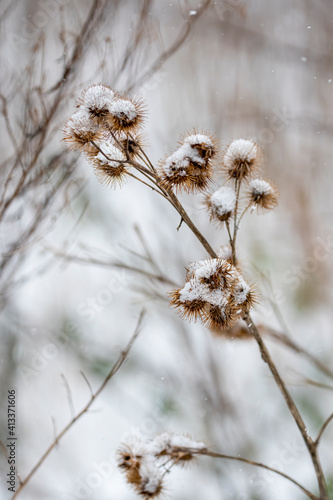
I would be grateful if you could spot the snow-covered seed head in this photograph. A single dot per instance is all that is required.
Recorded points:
(244, 295)
(221, 204)
(205, 144)
(80, 130)
(131, 143)
(143, 460)
(109, 164)
(214, 292)
(189, 168)
(96, 100)
(126, 115)
(242, 158)
(180, 448)
(262, 194)
(151, 480)
(221, 315)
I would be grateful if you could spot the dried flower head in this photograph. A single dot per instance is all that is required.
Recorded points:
(242, 158)
(143, 460)
(205, 144)
(126, 115)
(133, 144)
(262, 194)
(80, 130)
(214, 292)
(178, 447)
(221, 204)
(189, 167)
(110, 164)
(96, 100)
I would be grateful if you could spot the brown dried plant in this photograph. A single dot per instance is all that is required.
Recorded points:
(215, 291)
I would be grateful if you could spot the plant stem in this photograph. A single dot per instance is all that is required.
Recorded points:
(310, 444)
(250, 462)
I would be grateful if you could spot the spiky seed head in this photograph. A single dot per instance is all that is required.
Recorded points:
(126, 115)
(221, 204)
(221, 315)
(151, 480)
(80, 130)
(189, 309)
(262, 194)
(189, 168)
(205, 144)
(214, 292)
(110, 164)
(131, 143)
(242, 159)
(96, 100)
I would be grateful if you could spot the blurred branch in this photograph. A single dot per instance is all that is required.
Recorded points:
(323, 428)
(93, 261)
(189, 22)
(117, 365)
(250, 462)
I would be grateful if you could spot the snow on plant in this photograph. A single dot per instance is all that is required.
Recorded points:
(145, 462)
(106, 128)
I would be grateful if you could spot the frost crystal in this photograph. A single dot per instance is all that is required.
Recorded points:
(223, 201)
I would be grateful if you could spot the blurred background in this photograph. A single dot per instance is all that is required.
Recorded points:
(70, 290)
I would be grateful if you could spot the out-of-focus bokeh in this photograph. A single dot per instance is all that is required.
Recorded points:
(69, 299)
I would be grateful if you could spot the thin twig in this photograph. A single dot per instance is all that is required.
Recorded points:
(324, 426)
(310, 444)
(117, 365)
(250, 462)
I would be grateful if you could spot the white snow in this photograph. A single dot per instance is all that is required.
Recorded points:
(112, 152)
(123, 107)
(241, 291)
(260, 187)
(198, 139)
(223, 201)
(80, 122)
(240, 149)
(151, 476)
(181, 159)
(97, 97)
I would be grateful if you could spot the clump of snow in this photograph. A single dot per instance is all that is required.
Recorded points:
(259, 187)
(199, 139)
(151, 477)
(241, 291)
(223, 201)
(80, 122)
(181, 160)
(241, 150)
(121, 108)
(97, 97)
(111, 152)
